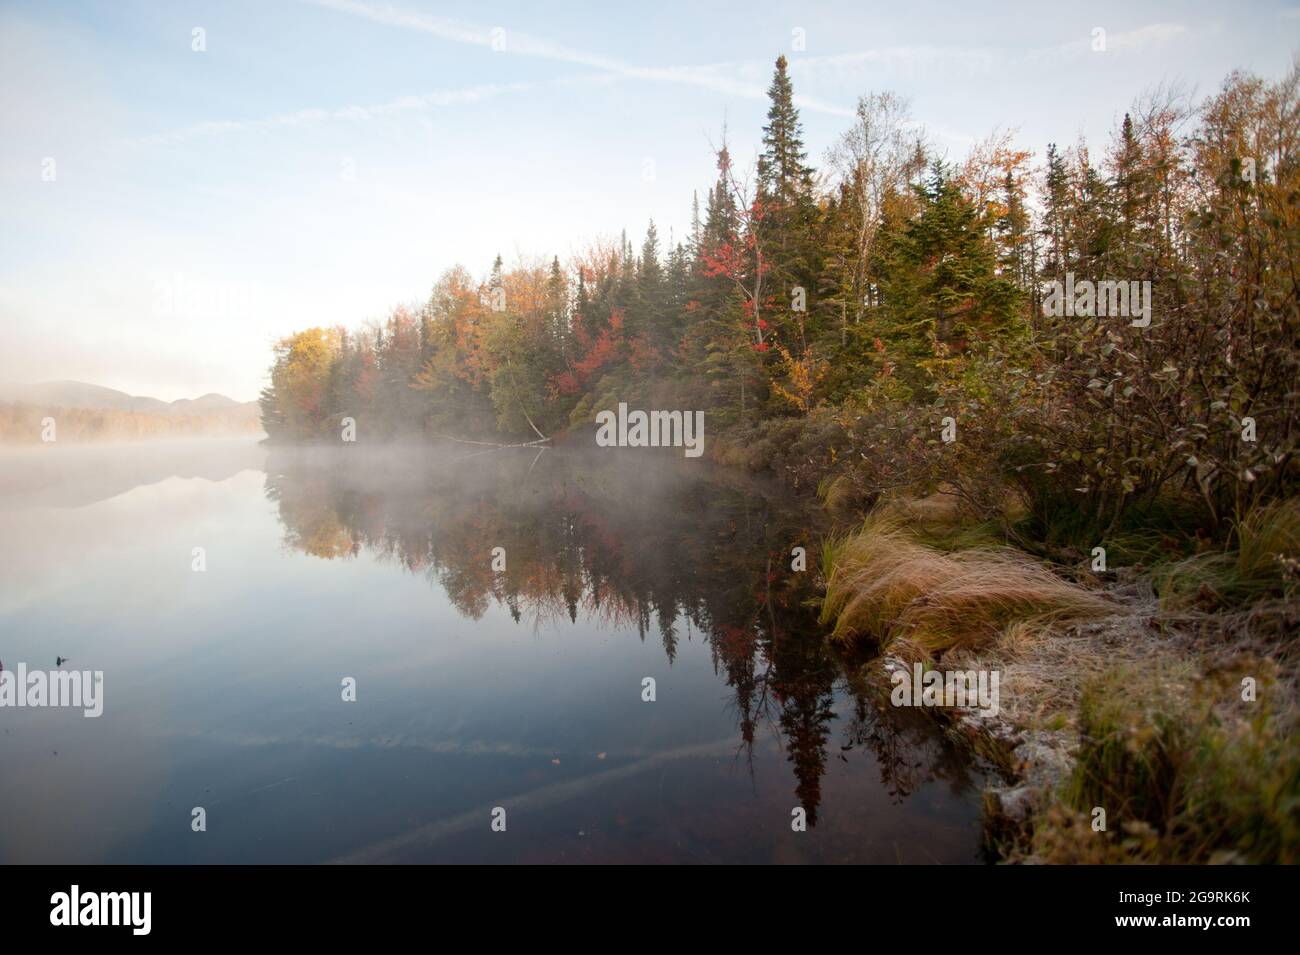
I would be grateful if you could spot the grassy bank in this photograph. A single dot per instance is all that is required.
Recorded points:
(1163, 694)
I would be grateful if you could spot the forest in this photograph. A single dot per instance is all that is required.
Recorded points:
(1038, 395)
(812, 315)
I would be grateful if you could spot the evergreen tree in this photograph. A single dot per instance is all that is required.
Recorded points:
(941, 288)
(786, 210)
(784, 177)
(648, 316)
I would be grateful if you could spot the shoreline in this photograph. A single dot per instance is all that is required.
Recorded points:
(1220, 671)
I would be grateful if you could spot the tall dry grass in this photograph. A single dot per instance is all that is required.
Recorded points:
(1264, 565)
(886, 586)
(1186, 771)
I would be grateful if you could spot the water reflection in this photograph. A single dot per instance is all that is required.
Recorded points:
(477, 689)
(646, 544)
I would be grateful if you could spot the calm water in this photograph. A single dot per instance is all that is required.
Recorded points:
(475, 688)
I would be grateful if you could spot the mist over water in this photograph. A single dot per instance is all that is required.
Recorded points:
(476, 688)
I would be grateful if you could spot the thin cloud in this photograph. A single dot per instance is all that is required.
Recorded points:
(517, 43)
(307, 117)
(1128, 41)
(840, 67)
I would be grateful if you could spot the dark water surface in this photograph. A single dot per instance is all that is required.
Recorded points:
(476, 689)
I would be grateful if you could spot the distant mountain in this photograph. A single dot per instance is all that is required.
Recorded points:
(79, 394)
(205, 403)
(91, 413)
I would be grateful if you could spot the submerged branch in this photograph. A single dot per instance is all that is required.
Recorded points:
(495, 444)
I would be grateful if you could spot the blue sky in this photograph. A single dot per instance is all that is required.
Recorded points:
(320, 162)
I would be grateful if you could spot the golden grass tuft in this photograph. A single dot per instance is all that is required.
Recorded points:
(1269, 542)
(884, 585)
(838, 495)
(1263, 567)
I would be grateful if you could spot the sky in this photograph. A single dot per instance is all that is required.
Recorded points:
(172, 202)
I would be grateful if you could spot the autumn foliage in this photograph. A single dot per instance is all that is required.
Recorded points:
(828, 324)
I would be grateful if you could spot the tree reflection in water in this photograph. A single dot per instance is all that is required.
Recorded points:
(627, 540)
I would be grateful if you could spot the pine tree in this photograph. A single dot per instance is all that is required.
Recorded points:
(1055, 213)
(696, 226)
(784, 178)
(942, 290)
(557, 312)
(787, 210)
(647, 318)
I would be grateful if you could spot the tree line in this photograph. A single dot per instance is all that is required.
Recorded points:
(881, 322)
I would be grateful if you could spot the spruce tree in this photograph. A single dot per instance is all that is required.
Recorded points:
(784, 177)
(788, 207)
(648, 316)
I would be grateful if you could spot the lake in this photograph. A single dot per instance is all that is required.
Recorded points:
(497, 614)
